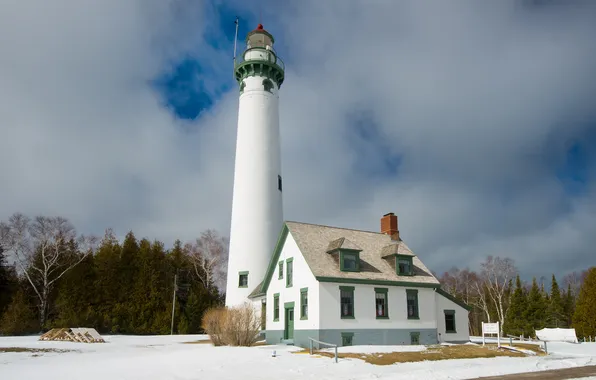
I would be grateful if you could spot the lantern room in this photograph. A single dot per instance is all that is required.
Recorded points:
(259, 38)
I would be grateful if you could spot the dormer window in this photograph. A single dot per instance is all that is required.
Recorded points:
(349, 261)
(348, 252)
(404, 265)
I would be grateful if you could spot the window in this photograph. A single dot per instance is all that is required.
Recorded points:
(404, 266)
(276, 307)
(414, 338)
(243, 279)
(412, 297)
(279, 184)
(304, 303)
(347, 301)
(449, 321)
(381, 303)
(349, 261)
(289, 272)
(267, 85)
(281, 270)
(347, 338)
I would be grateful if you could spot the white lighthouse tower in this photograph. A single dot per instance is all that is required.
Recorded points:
(257, 214)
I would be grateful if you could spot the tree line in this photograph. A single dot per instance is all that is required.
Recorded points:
(496, 293)
(62, 279)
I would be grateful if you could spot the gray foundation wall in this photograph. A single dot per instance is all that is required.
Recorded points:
(360, 336)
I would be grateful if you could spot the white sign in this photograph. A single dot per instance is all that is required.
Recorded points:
(491, 328)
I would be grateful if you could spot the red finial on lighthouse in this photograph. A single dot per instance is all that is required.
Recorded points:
(260, 27)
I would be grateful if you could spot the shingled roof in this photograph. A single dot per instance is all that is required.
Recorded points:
(375, 248)
(342, 243)
(318, 245)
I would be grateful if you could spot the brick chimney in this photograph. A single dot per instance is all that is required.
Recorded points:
(389, 226)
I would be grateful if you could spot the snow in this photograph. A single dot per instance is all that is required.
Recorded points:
(166, 358)
(557, 335)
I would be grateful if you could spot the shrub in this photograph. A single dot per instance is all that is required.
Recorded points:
(213, 324)
(237, 326)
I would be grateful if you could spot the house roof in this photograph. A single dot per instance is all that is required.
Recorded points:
(342, 243)
(314, 242)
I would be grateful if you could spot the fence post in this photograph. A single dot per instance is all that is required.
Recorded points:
(545, 348)
(336, 353)
(310, 346)
(511, 341)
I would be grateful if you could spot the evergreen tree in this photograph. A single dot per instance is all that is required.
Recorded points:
(107, 262)
(569, 303)
(152, 306)
(514, 320)
(77, 299)
(194, 312)
(535, 311)
(584, 318)
(8, 282)
(183, 327)
(128, 270)
(20, 317)
(556, 309)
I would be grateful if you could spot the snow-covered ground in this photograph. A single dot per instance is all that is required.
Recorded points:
(166, 358)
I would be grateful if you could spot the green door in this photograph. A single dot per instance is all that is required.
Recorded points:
(289, 331)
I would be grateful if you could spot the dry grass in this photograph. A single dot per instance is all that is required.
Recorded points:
(528, 346)
(432, 353)
(202, 341)
(33, 350)
(208, 341)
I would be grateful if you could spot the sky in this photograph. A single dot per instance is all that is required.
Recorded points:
(475, 122)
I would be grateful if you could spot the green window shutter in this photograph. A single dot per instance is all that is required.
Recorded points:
(276, 307)
(243, 279)
(304, 303)
(347, 338)
(289, 272)
(415, 338)
(412, 303)
(349, 261)
(281, 270)
(347, 302)
(404, 265)
(381, 303)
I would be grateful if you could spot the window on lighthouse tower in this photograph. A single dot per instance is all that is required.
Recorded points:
(279, 183)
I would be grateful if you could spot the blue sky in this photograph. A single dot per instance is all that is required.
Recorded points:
(473, 121)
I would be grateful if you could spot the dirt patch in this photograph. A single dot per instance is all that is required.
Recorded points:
(208, 341)
(203, 341)
(467, 351)
(33, 350)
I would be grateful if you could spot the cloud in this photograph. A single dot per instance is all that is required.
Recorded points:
(456, 117)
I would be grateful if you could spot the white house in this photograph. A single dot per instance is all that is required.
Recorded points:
(351, 287)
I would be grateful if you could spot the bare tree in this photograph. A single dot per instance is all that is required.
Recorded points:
(209, 255)
(40, 250)
(480, 297)
(497, 274)
(575, 281)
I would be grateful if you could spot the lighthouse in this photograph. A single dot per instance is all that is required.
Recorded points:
(257, 214)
